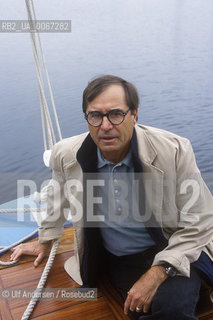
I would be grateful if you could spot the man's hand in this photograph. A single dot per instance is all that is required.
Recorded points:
(32, 248)
(142, 292)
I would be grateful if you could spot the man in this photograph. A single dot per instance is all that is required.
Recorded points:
(156, 236)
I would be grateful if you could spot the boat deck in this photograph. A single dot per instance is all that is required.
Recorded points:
(106, 307)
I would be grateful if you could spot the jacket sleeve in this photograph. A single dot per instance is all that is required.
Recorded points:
(194, 204)
(51, 226)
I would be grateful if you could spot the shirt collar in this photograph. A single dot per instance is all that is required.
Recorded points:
(127, 161)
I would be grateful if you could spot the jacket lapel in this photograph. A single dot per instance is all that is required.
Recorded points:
(91, 263)
(153, 176)
(152, 186)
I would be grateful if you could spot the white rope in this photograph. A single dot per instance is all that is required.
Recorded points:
(4, 249)
(48, 132)
(18, 242)
(22, 210)
(44, 275)
(48, 135)
(41, 283)
(9, 263)
(43, 125)
(48, 79)
(43, 100)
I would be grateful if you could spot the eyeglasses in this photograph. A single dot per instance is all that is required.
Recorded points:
(115, 117)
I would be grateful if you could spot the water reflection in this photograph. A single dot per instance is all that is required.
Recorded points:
(165, 47)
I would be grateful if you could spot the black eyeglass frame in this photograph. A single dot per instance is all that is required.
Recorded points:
(107, 115)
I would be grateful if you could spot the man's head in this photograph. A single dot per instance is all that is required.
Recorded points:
(100, 84)
(112, 131)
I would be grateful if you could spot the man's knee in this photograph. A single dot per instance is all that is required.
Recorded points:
(177, 297)
(168, 311)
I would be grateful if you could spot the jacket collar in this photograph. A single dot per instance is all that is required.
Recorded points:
(88, 159)
(145, 149)
(87, 155)
(142, 149)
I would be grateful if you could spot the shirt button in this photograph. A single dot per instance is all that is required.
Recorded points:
(119, 210)
(117, 201)
(117, 193)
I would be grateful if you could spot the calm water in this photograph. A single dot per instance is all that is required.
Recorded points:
(165, 47)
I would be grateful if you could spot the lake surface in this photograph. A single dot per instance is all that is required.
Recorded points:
(165, 47)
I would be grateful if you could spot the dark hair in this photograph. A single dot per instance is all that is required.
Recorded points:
(100, 84)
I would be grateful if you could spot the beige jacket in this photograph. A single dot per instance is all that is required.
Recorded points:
(177, 196)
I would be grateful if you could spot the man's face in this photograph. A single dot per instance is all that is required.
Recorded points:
(113, 140)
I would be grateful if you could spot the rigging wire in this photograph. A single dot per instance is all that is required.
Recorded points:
(47, 125)
(49, 139)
